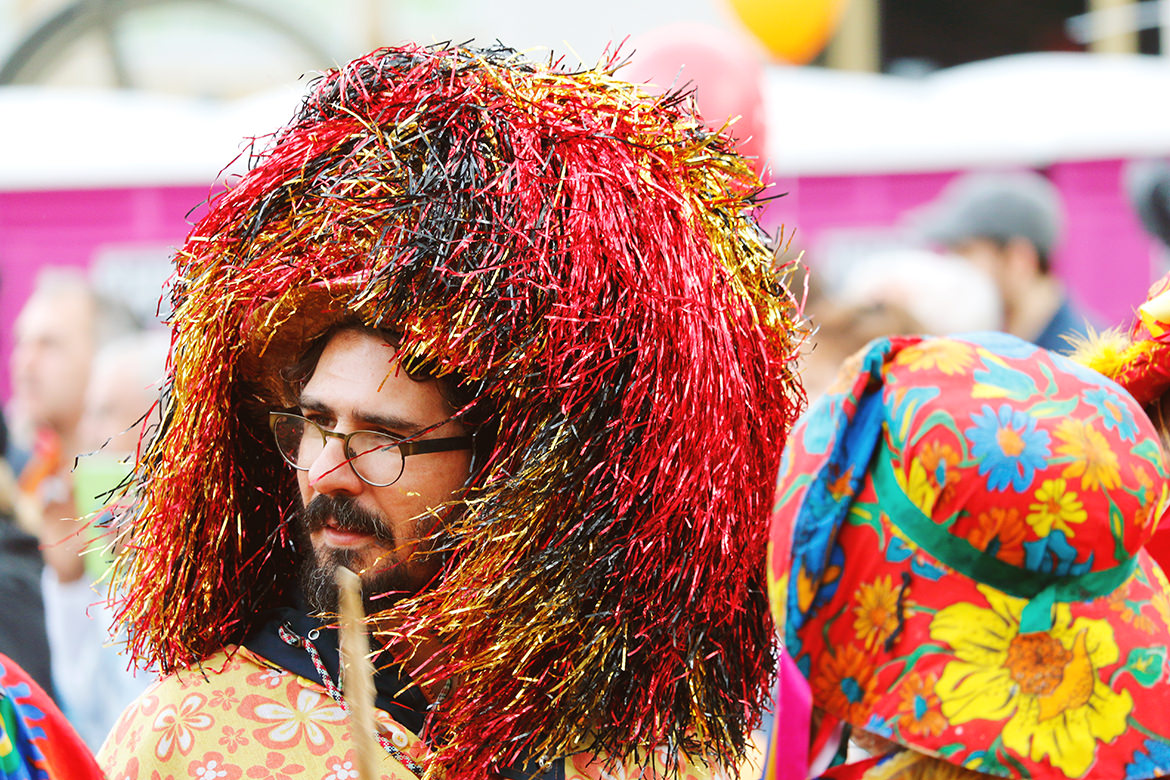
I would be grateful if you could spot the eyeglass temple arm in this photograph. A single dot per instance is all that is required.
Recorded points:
(436, 445)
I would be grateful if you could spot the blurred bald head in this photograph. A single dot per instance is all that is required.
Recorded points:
(57, 334)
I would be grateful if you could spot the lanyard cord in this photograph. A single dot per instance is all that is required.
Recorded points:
(294, 640)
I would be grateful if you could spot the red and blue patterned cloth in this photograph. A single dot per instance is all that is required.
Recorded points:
(36, 741)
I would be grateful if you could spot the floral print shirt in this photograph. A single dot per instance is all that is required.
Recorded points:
(243, 718)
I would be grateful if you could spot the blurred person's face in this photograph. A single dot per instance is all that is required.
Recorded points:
(988, 256)
(1014, 266)
(51, 361)
(116, 400)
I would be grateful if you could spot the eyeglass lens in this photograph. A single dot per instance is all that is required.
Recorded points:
(375, 457)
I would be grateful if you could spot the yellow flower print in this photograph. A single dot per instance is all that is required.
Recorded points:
(948, 357)
(1092, 458)
(778, 595)
(1118, 603)
(876, 613)
(942, 465)
(1045, 685)
(918, 487)
(1055, 507)
(1152, 504)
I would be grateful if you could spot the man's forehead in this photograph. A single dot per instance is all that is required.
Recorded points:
(59, 316)
(359, 367)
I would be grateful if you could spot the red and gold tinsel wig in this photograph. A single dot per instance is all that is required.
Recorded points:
(1138, 360)
(588, 257)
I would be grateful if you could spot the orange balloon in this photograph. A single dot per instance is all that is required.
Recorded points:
(792, 30)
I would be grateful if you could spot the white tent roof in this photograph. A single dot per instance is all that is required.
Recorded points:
(57, 139)
(1028, 109)
(1021, 110)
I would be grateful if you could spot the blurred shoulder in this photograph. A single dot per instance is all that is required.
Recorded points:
(186, 715)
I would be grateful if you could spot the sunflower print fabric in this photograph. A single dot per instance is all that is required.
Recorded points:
(957, 566)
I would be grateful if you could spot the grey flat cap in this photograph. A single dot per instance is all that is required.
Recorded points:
(997, 206)
(1147, 186)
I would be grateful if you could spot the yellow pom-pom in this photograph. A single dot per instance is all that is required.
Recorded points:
(1106, 352)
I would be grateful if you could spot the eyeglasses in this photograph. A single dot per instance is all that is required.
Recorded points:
(376, 458)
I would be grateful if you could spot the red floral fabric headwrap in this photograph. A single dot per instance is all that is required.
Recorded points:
(957, 560)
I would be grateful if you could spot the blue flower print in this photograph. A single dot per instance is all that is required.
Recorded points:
(1155, 762)
(876, 725)
(897, 551)
(1001, 344)
(904, 404)
(1114, 413)
(23, 758)
(821, 424)
(1055, 555)
(20, 694)
(996, 380)
(785, 465)
(1007, 447)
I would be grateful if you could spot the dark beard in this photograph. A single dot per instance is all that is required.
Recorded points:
(318, 575)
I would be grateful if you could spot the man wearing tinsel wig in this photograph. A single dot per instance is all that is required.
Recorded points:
(505, 340)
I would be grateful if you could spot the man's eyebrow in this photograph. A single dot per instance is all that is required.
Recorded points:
(390, 422)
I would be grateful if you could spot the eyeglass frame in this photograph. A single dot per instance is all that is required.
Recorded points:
(406, 446)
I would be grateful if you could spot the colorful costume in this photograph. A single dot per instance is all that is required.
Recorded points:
(241, 716)
(957, 561)
(36, 742)
(587, 258)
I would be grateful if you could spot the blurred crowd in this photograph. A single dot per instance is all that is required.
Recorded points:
(977, 258)
(85, 376)
(85, 379)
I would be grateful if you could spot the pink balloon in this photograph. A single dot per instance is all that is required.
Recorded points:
(725, 69)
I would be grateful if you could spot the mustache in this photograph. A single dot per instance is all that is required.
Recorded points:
(346, 515)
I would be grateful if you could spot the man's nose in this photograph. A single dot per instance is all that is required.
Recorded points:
(331, 473)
